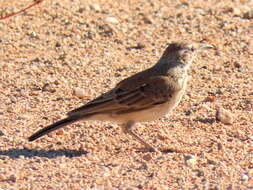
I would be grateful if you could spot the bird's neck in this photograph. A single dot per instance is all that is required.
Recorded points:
(172, 66)
(175, 70)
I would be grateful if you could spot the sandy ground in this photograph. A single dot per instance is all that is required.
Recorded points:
(62, 46)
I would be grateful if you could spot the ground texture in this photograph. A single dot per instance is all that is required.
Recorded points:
(61, 49)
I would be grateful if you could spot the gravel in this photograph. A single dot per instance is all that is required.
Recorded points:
(59, 54)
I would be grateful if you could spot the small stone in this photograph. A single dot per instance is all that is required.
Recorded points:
(112, 20)
(204, 67)
(199, 173)
(1, 133)
(248, 15)
(224, 116)
(56, 82)
(219, 91)
(95, 7)
(188, 112)
(237, 12)
(106, 30)
(190, 160)
(81, 9)
(147, 157)
(36, 60)
(60, 132)
(211, 162)
(12, 178)
(65, 21)
(219, 146)
(79, 92)
(140, 45)
(147, 20)
(48, 88)
(245, 177)
(33, 34)
(57, 44)
(24, 116)
(210, 99)
(237, 65)
(217, 68)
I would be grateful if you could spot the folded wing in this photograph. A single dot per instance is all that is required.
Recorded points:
(156, 90)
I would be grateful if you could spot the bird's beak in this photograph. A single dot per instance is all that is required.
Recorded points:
(205, 46)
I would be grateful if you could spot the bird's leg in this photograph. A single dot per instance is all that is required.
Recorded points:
(127, 129)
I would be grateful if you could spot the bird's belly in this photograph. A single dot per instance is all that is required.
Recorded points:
(153, 113)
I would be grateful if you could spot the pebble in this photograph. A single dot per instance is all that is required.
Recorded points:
(95, 7)
(12, 178)
(245, 177)
(237, 12)
(224, 116)
(188, 112)
(140, 45)
(147, 20)
(60, 132)
(1, 133)
(23, 116)
(112, 20)
(79, 92)
(48, 88)
(210, 99)
(57, 44)
(190, 160)
(217, 68)
(219, 146)
(33, 34)
(237, 65)
(147, 157)
(248, 15)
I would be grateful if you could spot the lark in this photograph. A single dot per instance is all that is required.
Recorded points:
(145, 96)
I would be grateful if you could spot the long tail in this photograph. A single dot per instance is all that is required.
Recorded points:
(54, 126)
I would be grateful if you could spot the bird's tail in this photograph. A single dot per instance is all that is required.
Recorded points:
(54, 126)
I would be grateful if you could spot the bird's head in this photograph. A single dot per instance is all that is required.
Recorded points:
(182, 53)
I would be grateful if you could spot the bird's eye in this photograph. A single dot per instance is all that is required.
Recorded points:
(190, 48)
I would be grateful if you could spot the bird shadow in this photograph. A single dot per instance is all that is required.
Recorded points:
(29, 153)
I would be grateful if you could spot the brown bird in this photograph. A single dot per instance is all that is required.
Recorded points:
(145, 96)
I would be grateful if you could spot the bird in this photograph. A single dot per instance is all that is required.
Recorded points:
(145, 96)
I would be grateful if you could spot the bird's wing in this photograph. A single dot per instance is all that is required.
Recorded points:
(122, 99)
